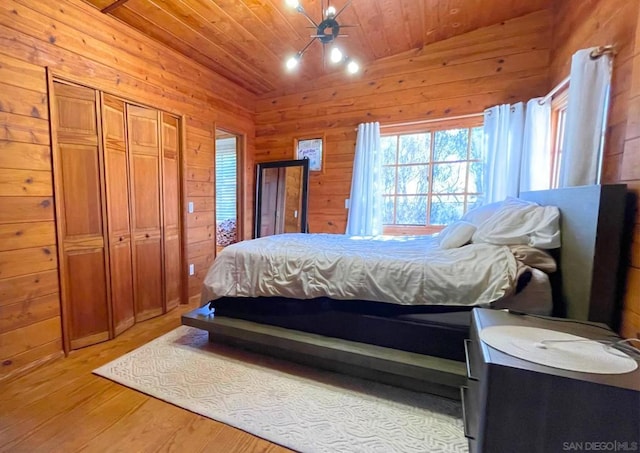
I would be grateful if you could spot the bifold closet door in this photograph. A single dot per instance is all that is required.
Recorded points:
(81, 223)
(143, 134)
(173, 265)
(119, 229)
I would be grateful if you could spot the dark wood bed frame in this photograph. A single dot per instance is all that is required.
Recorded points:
(585, 288)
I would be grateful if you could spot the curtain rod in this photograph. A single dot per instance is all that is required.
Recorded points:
(603, 50)
(412, 123)
(555, 89)
(595, 54)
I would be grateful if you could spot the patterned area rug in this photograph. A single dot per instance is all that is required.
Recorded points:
(292, 405)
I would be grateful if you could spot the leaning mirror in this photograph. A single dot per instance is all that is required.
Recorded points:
(281, 197)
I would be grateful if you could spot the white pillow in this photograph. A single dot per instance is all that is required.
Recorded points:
(478, 215)
(521, 222)
(456, 234)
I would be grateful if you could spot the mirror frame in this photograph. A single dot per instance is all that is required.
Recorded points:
(304, 163)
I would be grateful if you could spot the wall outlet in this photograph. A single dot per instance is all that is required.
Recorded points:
(190, 207)
(192, 269)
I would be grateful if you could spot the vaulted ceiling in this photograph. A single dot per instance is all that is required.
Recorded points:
(248, 41)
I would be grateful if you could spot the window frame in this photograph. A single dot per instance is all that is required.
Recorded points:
(431, 128)
(559, 103)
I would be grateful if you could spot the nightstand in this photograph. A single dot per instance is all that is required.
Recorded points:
(512, 405)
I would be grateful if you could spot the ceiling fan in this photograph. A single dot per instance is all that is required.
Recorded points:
(326, 31)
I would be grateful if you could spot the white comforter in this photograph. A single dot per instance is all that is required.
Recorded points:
(401, 270)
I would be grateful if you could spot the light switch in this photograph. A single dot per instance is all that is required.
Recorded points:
(347, 202)
(192, 269)
(295, 214)
(190, 208)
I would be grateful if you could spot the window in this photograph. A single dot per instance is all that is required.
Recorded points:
(558, 120)
(431, 178)
(226, 184)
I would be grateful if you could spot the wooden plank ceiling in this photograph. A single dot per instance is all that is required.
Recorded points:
(248, 41)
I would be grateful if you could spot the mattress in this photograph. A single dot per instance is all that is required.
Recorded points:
(410, 270)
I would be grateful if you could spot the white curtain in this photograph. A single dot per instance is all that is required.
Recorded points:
(365, 206)
(535, 170)
(503, 131)
(586, 117)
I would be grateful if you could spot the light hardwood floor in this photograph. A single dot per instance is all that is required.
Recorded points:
(63, 407)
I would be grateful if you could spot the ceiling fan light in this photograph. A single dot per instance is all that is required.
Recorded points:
(292, 62)
(336, 55)
(326, 32)
(353, 67)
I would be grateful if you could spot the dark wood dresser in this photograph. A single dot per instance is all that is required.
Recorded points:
(512, 405)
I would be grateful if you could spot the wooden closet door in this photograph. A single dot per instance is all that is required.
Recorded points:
(81, 222)
(171, 210)
(143, 135)
(119, 229)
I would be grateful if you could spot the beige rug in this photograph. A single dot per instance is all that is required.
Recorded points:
(292, 405)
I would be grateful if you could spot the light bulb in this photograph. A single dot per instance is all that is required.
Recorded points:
(293, 3)
(353, 67)
(336, 55)
(331, 12)
(293, 62)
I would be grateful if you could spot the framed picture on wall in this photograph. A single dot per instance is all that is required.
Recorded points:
(312, 149)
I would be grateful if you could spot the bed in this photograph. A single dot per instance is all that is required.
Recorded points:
(398, 307)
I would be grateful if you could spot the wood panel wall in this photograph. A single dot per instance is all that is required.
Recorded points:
(503, 63)
(80, 44)
(579, 25)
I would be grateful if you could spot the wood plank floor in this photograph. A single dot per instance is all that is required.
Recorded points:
(62, 407)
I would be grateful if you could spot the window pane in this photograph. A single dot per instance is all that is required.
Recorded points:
(413, 179)
(446, 209)
(388, 211)
(449, 178)
(388, 145)
(476, 178)
(389, 175)
(226, 177)
(411, 210)
(414, 148)
(477, 136)
(451, 145)
(473, 201)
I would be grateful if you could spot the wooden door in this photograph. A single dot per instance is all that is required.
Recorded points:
(143, 135)
(282, 178)
(78, 170)
(119, 229)
(173, 265)
(292, 199)
(269, 201)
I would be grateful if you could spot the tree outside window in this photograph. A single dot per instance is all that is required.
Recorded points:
(431, 178)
